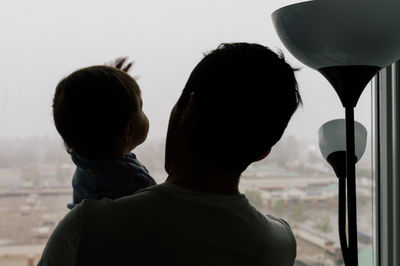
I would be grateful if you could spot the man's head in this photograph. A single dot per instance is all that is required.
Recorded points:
(234, 108)
(98, 111)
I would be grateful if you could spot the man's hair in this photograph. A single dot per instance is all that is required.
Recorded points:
(92, 106)
(245, 95)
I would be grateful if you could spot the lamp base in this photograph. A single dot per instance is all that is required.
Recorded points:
(349, 81)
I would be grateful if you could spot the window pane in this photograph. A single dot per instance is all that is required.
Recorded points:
(43, 41)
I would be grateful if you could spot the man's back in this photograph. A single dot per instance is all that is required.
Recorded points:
(179, 227)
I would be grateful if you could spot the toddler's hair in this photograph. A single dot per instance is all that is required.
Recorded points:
(91, 107)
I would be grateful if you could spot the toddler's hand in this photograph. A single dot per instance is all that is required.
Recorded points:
(120, 63)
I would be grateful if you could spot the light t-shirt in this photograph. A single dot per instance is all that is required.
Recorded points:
(169, 225)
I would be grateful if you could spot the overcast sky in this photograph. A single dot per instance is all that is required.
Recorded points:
(43, 41)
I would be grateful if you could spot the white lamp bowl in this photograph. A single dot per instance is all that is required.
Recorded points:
(325, 33)
(332, 137)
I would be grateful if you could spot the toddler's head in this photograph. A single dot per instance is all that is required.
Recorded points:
(98, 112)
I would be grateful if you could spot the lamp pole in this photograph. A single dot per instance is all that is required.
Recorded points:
(351, 187)
(337, 160)
(342, 219)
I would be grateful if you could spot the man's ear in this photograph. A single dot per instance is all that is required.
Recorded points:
(188, 110)
(265, 154)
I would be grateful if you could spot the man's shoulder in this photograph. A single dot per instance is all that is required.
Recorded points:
(277, 222)
(272, 237)
(281, 228)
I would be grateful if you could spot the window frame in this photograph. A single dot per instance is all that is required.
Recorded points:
(386, 166)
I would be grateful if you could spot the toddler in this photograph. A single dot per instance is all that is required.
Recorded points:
(98, 112)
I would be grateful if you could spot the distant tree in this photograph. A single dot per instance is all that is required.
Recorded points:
(254, 196)
(4, 163)
(323, 224)
(64, 173)
(297, 214)
(55, 153)
(285, 151)
(279, 207)
(30, 174)
(313, 157)
(151, 155)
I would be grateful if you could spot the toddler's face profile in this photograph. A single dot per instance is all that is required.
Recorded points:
(139, 125)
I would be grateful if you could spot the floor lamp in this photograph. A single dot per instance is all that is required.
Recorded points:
(348, 42)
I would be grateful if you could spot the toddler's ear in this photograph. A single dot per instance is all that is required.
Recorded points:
(128, 132)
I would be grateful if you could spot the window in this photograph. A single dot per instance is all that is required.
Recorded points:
(43, 41)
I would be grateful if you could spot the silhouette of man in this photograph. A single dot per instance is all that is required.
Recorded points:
(233, 109)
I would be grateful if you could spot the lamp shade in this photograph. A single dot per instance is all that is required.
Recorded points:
(325, 33)
(332, 138)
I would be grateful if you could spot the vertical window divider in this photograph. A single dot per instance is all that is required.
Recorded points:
(386, 165)
(376, 166)
(396, 160)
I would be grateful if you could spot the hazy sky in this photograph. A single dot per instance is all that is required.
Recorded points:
(42, 41)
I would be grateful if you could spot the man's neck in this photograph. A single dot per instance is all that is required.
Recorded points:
(206, 181)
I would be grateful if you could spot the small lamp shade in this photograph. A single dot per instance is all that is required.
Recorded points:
(332, 138)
